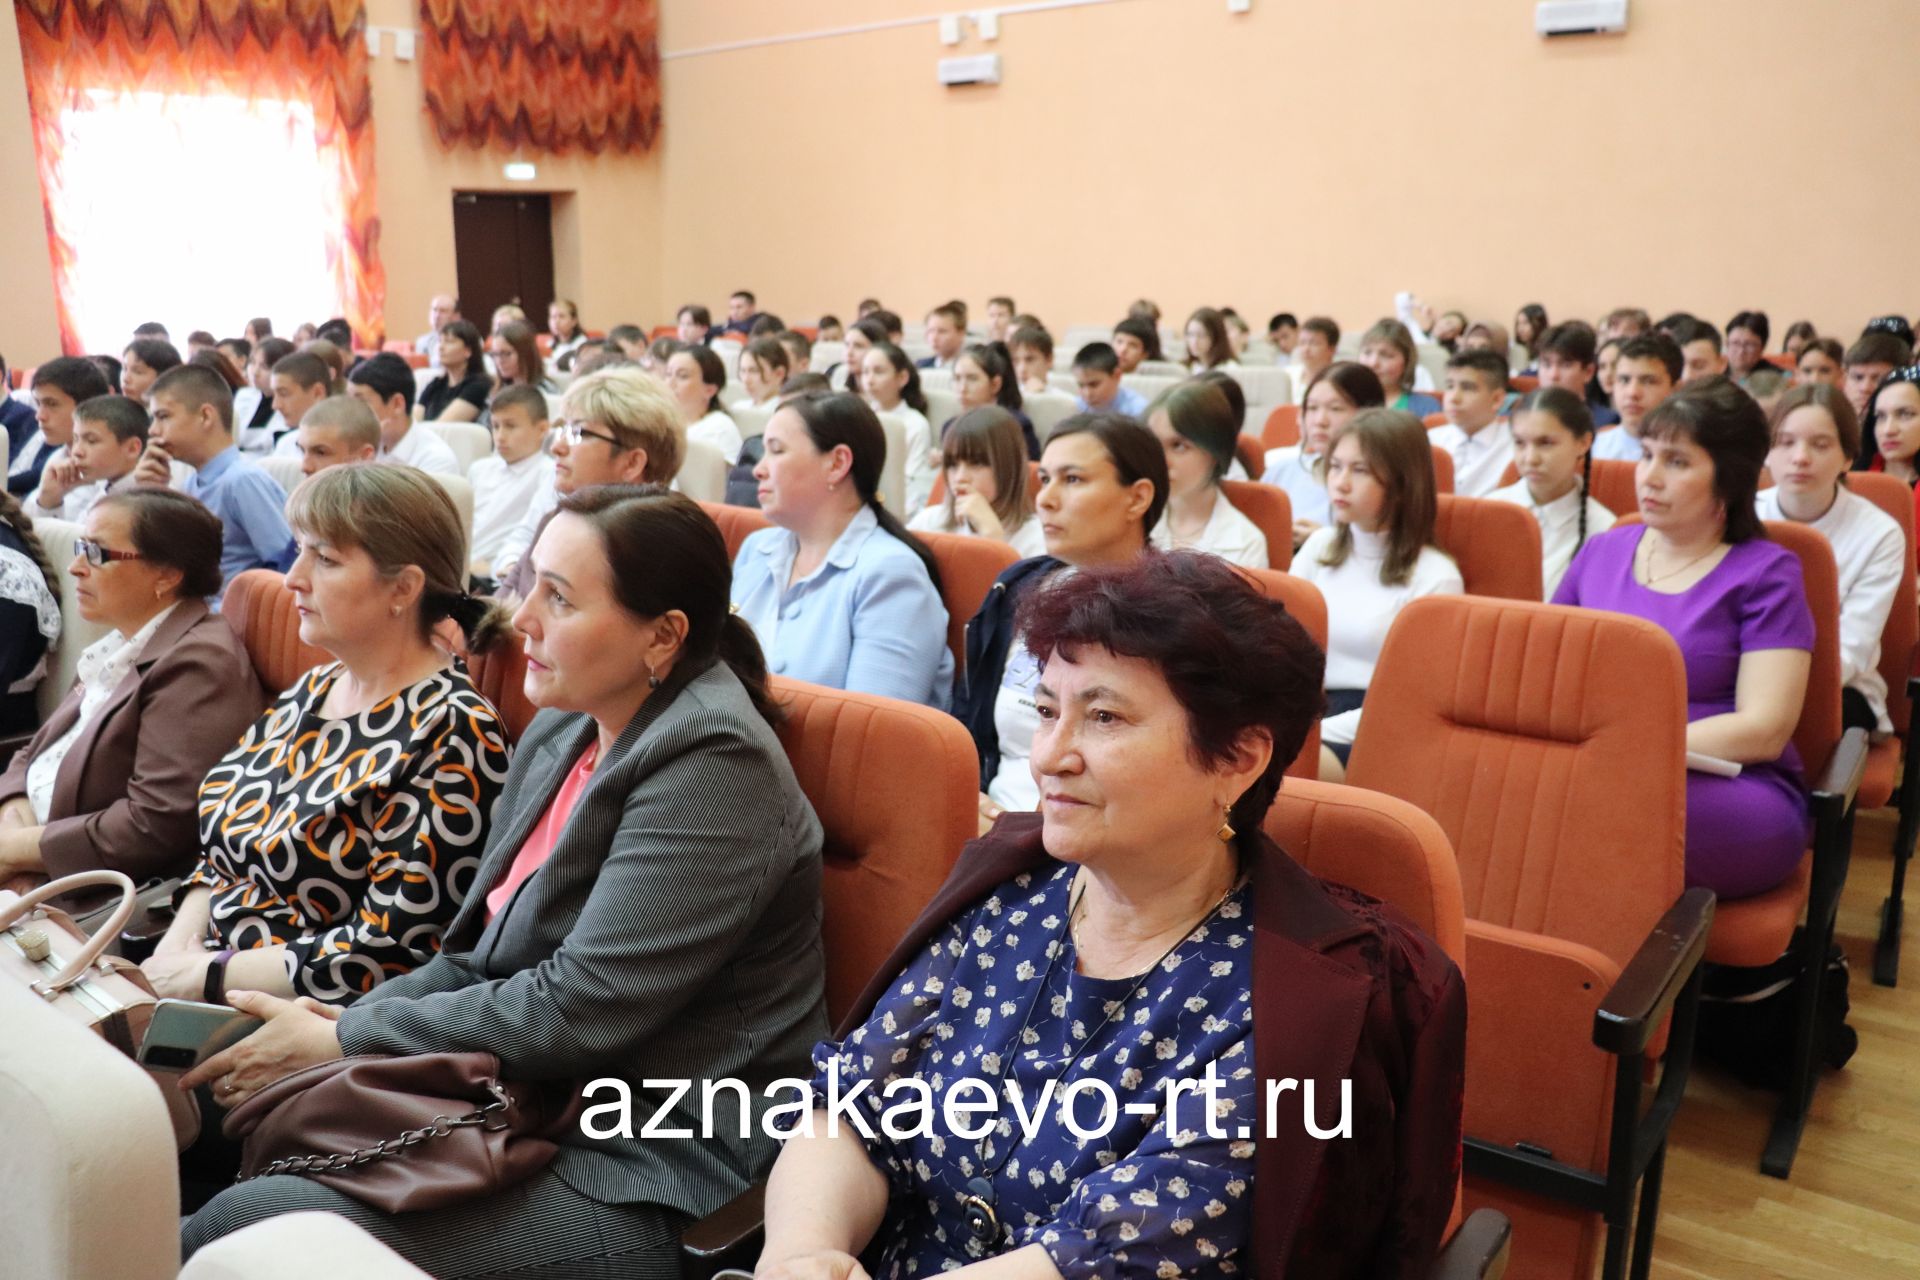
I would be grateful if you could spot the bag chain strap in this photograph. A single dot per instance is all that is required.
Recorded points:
(490, 1116)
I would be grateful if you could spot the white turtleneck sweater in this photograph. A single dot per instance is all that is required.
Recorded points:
(1360, 608)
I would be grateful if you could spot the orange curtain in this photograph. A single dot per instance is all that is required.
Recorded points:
(309, 51)
(548, 75)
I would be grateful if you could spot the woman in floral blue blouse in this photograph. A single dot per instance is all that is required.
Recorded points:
(1008, 1083)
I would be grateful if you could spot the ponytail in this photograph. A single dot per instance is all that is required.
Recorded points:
(740, 649)
(486, 624)
(14, 516)
(1586, 483)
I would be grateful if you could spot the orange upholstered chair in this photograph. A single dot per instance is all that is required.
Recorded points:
(1442, 470)
(1524, 382)
(1269, 507)
(1757, 930)
(1252, 454)
(1433, 420)
(968, 567)
(1282, 427)
(1898, 642)
(501, 678)
(259, 608)
(736, 523)
(1612, 486)
(1309, 609)
(1567, 811)
(892, 834)
(1496, 544)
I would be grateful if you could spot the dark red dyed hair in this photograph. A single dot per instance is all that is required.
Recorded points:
(1234, 659)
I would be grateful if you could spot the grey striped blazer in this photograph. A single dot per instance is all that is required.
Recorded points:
(674, 933)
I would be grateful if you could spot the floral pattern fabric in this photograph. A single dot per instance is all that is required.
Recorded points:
(1157, 1195)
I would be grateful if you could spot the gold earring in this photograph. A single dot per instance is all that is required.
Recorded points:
(1226, 832)
(394, 612)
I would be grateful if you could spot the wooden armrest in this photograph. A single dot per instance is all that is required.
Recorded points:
(1841, 778)
(728, 1227)
(1478, 1250)
(1652, 980)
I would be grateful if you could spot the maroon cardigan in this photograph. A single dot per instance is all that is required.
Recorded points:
(1344, 988)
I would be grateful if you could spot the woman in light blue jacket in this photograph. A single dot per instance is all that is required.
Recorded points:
(838, 591)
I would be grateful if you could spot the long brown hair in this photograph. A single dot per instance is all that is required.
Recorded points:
(990, 437)
(518, 334)
(1395, 446)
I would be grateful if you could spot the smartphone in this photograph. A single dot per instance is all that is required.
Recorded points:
(185, 1033)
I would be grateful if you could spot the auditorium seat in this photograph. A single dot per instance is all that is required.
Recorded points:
(1568, 815)
(736, 523)
(1442, 471)
(259, 608)
(703, 473)
(1269, 507)
(1252, 455)
(1282, 427)
(76, 633)
(1048, 411)
(1757, 930)
(460, 490)
(751, 418)
(469, 441)
(1496, 545)
(968, 567)
(1614, 487)
(87, 1167)
(285, 471)
(1309, 608)
(893, 465)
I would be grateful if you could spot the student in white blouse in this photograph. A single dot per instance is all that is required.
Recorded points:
(1196, 427)
(1553, 451)
(506, 482)
(1332, 397)
(891, 383)
(1815, 440)
(764, 365)
(695, 377)
(985, 459)
(1376, 555)
(1475, 436)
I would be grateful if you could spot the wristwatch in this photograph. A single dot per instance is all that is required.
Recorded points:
(215, 989)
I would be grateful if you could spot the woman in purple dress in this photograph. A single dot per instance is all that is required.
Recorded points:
(1701, 567)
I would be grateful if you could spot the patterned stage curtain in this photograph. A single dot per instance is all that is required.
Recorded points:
(546, 75)
(311, 51)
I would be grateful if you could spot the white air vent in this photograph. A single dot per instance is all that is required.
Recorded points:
(1579, 17)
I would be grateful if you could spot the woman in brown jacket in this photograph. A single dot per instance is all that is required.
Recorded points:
(113, 777)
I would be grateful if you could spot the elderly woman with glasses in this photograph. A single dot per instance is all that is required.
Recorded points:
(112, 779)
(1087, 967)
(617, 426)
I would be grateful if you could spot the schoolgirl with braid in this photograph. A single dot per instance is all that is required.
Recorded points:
(1553, 452)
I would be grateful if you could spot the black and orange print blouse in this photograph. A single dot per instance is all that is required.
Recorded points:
(351, 842)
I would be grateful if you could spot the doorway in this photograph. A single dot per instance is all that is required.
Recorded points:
(503, 252)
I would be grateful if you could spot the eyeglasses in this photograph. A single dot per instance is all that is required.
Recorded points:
(575, 432)
(99, 556)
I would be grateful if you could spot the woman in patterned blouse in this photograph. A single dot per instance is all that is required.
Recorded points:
(1139, 932)
(340, 836)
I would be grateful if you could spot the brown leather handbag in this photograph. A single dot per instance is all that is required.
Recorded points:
(403, 1134)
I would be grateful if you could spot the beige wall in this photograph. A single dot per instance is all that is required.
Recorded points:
(1318, 157)
(1313, 156)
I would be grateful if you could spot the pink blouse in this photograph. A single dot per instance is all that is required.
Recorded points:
(546, 832)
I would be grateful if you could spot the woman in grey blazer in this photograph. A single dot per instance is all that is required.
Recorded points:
(648, 908)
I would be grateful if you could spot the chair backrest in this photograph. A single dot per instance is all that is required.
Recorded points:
(1252, 453)
(1524, 382)
(88, 1144)
(1263, 384)
(1442, 471)
(76, 633)
(1048, 411)
(1902, 632)
(1269, 507)
(1151, 385)
(1309, 608)
(943, 405)
(968, 567)
(751, 418)
(1384, 847)
(1433, 420)
(736, 523)
(285, 471)
(1495, 544)
(1818, 732)
(1282, 427)
(1550, 745)
(1612, 485)
(892, 833)
(259, 608)
(469, 441)
(893, 466)
(826, 355)
(501, 678)
(460, 489)
(703, 473)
